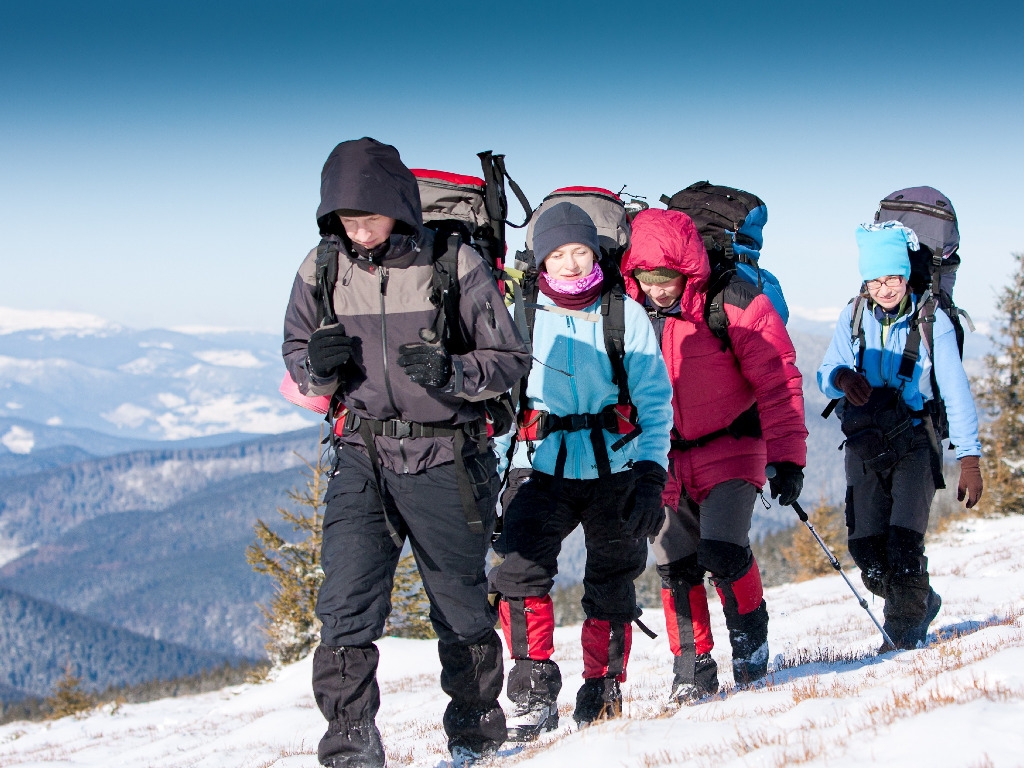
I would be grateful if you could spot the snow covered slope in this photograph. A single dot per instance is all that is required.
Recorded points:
(830, 701)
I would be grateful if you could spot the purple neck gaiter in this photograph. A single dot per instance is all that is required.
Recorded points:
(573, 294)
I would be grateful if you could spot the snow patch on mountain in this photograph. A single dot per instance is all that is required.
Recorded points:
(58, 323)
(18, 440)
(128, 415)
(232, 358)
(816, 314)
(229, 413)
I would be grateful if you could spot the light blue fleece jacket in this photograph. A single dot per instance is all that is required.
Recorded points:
(572, 374)
(881, 362)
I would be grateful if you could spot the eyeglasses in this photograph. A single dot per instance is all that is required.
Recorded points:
(892, 281)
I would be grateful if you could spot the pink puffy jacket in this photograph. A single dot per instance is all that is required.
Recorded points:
(712, 386)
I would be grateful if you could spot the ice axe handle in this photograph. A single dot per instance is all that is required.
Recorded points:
(770, 472)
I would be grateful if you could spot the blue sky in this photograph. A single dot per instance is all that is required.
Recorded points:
(159, 163)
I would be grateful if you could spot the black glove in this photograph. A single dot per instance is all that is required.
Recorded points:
(854, 385)
(787, 482)
(648, 513)
(329, 349)
(427, 364)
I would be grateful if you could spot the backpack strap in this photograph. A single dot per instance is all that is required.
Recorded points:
(495, 176)
(728, 288)
(714, 308)
(613, 312)
(922, 328)
(326, 279)
(445, 289)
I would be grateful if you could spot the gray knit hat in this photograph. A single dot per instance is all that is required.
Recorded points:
(561, 224)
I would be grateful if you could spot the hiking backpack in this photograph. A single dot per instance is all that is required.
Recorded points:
(933, 266)
(730, 221)
(460, 210)
(608, 213)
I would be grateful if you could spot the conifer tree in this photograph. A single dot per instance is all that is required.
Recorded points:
(410, 607)
(68, 698)
(1001, 393)
(806, 555)
(292, 626)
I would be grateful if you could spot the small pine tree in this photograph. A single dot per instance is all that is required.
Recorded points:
(292, 627)
(68, 698)
(1001, 394)
(410, 606)
(806, 556)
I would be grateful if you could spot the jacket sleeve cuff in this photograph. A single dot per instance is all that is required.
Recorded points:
(319, 385)
(454, 386)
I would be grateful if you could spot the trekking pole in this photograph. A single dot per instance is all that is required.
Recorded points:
(770, 473)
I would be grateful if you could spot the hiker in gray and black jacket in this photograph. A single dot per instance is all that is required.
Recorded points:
(413, 457)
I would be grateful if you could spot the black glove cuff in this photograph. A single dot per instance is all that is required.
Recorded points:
(650, 471)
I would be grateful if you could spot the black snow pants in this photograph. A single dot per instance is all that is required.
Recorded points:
(359, 560)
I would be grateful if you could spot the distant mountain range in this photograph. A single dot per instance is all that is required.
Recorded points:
(136, 540)
(40, 641)
(77, 371)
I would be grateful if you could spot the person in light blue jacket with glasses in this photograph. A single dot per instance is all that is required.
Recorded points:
(585, 457)
(882, 372)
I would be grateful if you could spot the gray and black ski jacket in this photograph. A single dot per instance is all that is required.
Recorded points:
(386, 303)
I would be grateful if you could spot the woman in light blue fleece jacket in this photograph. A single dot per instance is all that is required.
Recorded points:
(579, 460)
(887, 508)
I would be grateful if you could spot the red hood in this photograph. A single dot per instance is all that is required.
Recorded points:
(669, 239)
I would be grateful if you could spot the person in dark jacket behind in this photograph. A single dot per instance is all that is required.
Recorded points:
(738, 406)
(413, 460)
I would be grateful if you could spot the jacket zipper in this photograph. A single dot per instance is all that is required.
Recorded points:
(383, 277)
(570, 357)
(907, 205)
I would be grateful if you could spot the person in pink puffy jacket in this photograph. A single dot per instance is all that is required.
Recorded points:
(738, 407)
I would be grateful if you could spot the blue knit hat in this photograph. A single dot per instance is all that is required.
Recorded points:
(562, 224)
(883, 249)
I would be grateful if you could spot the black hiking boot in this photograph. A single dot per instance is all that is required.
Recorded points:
(472, 676)
(346, 691)
(530, 719)
(909, 603)
(690, 686)
(464, 756)
(533, 688)
(917, 635)
(600, 698)
(748, 635)
(359, 746)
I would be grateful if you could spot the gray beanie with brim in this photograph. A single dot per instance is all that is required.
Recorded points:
(560, 225)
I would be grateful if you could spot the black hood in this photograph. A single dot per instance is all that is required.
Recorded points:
(365, 175)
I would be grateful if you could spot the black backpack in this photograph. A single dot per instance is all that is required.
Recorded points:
(934, 265)
(460, 210)
(730, 221)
